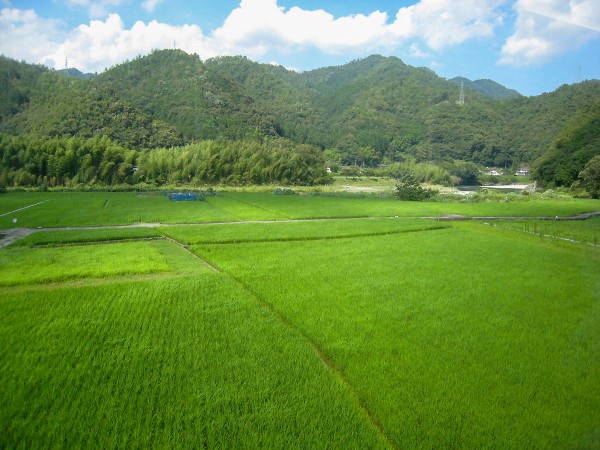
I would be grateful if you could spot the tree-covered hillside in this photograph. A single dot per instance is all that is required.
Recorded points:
(488, 87)
(41, 102)
(179, 89)
(372, 111)
(576, 144)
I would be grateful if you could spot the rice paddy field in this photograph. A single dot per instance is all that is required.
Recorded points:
(93, 209)
(259, 321)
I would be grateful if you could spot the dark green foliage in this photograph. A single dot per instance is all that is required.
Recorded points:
(75, 73)
(67, 162)
(589, 177)
(16, 83)
(370, 112)
(43, 103)
(409, 189)
(488, 87)
(179, 89)
(573, 148)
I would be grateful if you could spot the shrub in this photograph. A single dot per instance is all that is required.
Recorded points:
(409, 189)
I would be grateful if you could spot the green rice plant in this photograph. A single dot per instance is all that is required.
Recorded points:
(79, 236)
(21, 265)
(51, 265)
(587, 231)
(306, 206)
(172, 363)
(467, 337)
(107, 208)
(62, 209)
(296, 230)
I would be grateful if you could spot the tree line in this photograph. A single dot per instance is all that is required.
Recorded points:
(33, 161)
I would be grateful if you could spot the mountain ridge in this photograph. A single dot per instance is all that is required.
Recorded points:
(488, 87)
(371, 111)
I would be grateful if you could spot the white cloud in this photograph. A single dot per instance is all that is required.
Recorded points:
(104, 43)
(442, 23)
(24, 35)
(150, 5)
(546, 28)
(416, 51)
(257, 26)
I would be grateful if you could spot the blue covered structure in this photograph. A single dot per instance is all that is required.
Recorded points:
(184, 196)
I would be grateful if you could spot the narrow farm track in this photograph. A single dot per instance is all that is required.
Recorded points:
(458, 217)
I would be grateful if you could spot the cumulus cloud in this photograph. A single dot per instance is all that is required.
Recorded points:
(25, 35)
(258, 26)
(442, 23)
(546, 28)
(262, 29)
(105, 43)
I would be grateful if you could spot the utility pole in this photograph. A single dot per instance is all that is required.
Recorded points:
(461, 98)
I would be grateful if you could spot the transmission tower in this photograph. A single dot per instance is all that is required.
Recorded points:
(461, 98)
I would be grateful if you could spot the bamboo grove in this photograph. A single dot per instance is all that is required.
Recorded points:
(68, 162)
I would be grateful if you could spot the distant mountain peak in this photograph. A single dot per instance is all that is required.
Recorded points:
(75, 73)
(489, 88)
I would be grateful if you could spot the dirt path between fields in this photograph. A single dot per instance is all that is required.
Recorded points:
(457, 217)
(7, 237)
(11, 235)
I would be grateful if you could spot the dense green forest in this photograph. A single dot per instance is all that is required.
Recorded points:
(372, 112)
(34, 161)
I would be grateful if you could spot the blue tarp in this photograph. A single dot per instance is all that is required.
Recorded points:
(180, 196)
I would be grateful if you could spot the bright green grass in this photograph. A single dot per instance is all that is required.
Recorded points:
(467, 337)
(53, 265)
(299, 230)
(105, 208)
(86, 235)
(463, 338)
(587, 231)
(303, 207)
(176, 363)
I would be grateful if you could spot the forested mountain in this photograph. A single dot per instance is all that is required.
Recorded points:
(576, 144)
(76, 73)
(488, 87)
(40, 102)
(369, 112)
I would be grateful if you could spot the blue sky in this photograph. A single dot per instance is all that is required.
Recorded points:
(533, 46)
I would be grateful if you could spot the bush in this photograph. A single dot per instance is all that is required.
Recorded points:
(409, 189)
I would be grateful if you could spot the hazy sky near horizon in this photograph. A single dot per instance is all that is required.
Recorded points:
(533, 46)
